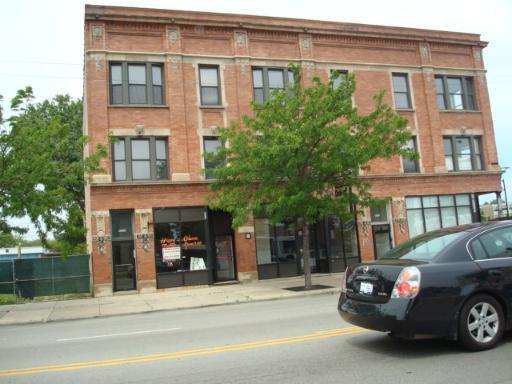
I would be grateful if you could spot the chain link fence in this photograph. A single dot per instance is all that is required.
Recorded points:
(48, 276)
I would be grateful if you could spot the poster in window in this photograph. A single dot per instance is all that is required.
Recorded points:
(197, 264)
(171, 253)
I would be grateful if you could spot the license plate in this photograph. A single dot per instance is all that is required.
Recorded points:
(366, 288)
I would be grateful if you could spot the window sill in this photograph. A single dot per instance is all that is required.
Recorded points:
(458, 111)
(142, 183)
(405, 109)
(137, 106)
(212, 107)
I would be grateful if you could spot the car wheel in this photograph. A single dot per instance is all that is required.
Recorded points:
(481, 323)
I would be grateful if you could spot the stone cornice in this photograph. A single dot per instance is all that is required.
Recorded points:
(264, 23)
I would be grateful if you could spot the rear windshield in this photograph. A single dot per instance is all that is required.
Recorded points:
(423, 247)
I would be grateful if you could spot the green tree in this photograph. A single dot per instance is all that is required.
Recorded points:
(300, 155)
(42, 168)
(7, 240)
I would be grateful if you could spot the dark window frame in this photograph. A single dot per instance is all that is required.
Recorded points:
(265, 80)
(153, 159)
(342, 76)
(207, 168)
(407, 91)
(218, 87)
(125, 85)
(439, 208)
(406, 163)
(473, 140)
(469, 102)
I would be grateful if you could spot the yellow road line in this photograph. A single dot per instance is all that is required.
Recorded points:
(182, 354)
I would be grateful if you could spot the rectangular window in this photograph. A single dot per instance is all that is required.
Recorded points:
(428, 213)
(181, 246)
(265, 81)
(463, 153)
(211, 145)
(116, 84)
(411, 166)
(401, 91)
(341, 77)
(136, 83)
(140, 159)
(455, 93)
(209, 85)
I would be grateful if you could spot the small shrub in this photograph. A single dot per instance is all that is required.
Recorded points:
(6, 299)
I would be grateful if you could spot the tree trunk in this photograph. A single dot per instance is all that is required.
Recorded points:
(305, 256)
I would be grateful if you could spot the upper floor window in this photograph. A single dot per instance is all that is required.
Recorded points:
(401, 91)
(211, 145)
(137, 158)
(266, 80)
(455, 92)
(341, 77)
(463, 153)
(411, 166)
(209, 85)
(136, 83)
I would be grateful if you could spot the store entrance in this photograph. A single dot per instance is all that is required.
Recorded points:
(123, 251)
(224, 254)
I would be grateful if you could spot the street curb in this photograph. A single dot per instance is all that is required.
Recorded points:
(332, 291)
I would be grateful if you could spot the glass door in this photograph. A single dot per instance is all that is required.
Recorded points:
(124, 265)
(381, 239)
(225, 261)
(123, 251)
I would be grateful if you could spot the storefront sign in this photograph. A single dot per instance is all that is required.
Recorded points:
(171, 253)
(190, 241)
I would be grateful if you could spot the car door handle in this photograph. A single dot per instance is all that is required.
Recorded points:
(496, 272)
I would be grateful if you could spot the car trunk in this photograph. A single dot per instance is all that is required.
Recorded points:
(373, 282)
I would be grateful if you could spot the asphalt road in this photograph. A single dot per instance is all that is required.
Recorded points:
(285, 341)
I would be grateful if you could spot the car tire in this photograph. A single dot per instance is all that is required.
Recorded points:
(481, 323)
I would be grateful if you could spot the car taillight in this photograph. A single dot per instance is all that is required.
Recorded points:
(344, 282)
(407, 285)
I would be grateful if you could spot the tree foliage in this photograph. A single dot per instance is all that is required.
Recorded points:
(300, 154)
(42, 167)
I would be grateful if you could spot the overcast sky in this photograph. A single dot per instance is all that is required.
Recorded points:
(42, 41)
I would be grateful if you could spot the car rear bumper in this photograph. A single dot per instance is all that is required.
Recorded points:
(398, 316)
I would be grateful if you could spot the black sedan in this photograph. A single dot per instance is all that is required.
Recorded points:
(454, 283)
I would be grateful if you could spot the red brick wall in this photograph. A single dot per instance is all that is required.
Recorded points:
(230, 42)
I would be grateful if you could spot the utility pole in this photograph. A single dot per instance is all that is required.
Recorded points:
(506, 200)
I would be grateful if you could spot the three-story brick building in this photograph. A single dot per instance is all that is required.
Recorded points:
(158, 83)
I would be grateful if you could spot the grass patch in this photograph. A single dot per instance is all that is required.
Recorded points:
(6, 299)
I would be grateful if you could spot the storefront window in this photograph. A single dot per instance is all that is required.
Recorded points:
(180, 240)
(274, 242)
(428, 213)
(332, 246)
(350, 240)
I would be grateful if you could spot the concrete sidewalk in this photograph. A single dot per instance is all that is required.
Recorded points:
(170, 299)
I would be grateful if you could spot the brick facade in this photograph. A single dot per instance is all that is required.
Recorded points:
(181, 41)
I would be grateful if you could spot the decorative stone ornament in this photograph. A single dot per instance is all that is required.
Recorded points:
(424, 51)
(97, 32)
(365, 227)
(400, 211)
(241, 40)
(305, 42)
(173, 36)
(101, 238)
(244, 64)
(174, 60)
